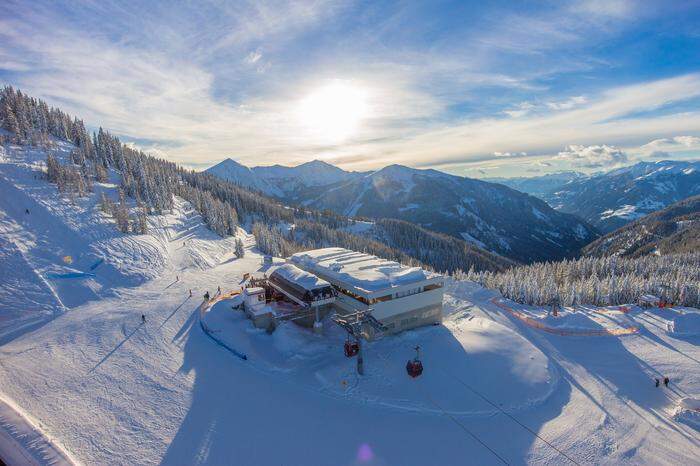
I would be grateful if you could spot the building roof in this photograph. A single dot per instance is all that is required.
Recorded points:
(295, 275)
(363, 272)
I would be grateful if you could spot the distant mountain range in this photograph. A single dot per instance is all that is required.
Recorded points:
(543, 186)
(489, 215)
(674, 229)
(289, 183)
(613, 199)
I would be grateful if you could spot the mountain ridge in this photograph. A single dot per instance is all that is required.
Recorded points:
(488, 215)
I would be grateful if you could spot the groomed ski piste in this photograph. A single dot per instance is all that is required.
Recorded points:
(83, 380)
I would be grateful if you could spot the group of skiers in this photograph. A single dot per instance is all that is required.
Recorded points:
(666, 381)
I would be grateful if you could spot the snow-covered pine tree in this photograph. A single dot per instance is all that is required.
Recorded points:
(240, 250)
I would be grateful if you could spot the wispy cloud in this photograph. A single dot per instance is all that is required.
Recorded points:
(203, 81)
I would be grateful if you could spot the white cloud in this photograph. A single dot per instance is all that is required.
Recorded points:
(676, 142)
(510, 154)
(568, 103)
(614, 9)
(593, 156)
(522, 109)
(253, 57)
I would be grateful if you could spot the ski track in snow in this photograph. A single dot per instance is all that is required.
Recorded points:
(112, 390)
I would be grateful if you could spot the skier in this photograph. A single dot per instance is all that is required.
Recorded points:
(657, 381)
(218, 290)
(26, 211)
(206, 296)
(143, 318)
(177, 278)
(190, 293)
(666, 381)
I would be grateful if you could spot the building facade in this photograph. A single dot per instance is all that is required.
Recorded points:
(398, 296)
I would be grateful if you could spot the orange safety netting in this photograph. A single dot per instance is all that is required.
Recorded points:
(530, 322)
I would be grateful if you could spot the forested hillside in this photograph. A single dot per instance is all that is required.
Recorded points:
(488, 215)
(672, 230)
(153, 182)
(599, 281)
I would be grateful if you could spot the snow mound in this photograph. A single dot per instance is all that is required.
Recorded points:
(688, 412)
(686, 324)
(465, 353)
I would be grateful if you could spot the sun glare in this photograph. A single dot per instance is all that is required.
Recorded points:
(334, 111)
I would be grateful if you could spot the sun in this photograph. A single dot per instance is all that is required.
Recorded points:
(334, 111)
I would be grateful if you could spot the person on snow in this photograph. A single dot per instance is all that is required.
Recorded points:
(666, 381)
(177, 278)
(143, 318)
(190, 293)
(657, 382)
(218, 290)
(26, 211)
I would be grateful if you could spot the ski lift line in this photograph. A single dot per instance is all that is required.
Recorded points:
(476, 392)
(452, 418)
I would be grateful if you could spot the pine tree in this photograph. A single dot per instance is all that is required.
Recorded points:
(121, 213)
(240, 250)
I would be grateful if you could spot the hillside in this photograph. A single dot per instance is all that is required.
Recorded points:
(675, 229)
(613, 199)
(487, 215)
(100, 384)
(224, 206)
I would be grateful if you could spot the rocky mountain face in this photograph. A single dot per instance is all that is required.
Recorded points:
(674, 229)
(610, 200)
(488, 215)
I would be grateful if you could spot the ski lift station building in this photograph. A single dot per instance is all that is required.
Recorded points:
(400, 297)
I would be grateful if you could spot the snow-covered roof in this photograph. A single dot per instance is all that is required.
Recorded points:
(363, 272)
(294, 274)
(649, 298)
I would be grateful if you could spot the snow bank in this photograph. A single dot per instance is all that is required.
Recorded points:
(686, 324)
(688, 412)
(21, 442)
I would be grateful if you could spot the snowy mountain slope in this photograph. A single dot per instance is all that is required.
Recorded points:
(232, 171)
(61, 252)
(671, 230)
(288, 183)
(489, 215)
(115, 391)
(611, 200)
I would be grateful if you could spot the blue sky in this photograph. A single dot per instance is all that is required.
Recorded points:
(478, 88)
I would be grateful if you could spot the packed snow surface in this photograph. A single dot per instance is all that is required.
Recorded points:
(362, 271)
(76, 357)
(302, 278)
(687, 324)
